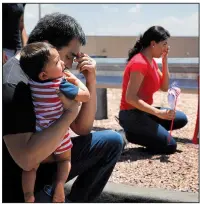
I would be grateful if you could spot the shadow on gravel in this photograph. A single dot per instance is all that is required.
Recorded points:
(134, 154)
(141, 153)
(182, 140)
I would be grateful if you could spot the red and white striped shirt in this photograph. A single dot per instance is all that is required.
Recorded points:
(48, 108)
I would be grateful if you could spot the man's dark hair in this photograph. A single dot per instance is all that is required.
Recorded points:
(58, 29)
(34, 57)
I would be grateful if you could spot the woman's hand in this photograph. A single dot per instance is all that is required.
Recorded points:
(165, 54)
(166, 114)
(87, 66)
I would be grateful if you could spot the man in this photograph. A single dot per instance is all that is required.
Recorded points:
(94, 155)
(14, 33)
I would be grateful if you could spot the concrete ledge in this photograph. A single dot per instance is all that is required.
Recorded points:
(116, 82)
(119, 193)
(139, 194)
(118, 64)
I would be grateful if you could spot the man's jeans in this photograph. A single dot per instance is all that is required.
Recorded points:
(93, 158)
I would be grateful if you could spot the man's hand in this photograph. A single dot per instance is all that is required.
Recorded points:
(5, 58)
(87, 66)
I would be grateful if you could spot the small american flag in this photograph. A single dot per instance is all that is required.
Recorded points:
(173, 94)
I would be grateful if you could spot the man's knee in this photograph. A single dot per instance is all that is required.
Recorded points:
(113, 139)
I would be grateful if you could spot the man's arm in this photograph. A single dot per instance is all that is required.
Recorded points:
(84, 122)
(30, 149)
(24, 36)
(5, 58)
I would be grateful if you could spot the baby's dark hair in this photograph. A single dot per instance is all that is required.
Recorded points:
(34, 57)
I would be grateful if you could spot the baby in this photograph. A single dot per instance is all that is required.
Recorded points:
(41, 62)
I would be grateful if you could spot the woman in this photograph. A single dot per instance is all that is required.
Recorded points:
(144, 124)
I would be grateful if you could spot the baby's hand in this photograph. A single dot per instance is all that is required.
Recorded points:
(71, 78)
(74, 80)
(67, 103)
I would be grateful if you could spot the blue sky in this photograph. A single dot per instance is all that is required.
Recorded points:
(123, 19)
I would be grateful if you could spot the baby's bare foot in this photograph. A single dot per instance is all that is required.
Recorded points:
(29, 197)
(59, 193)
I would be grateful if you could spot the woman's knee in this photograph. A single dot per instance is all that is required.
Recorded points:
(181, 119)
(168, 149)
(172, 146)
(171, 149)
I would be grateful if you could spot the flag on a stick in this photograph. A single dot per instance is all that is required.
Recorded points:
(173, 94)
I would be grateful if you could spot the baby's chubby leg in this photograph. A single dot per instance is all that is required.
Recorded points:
(28, 180)
(63, 169)
(28, 184)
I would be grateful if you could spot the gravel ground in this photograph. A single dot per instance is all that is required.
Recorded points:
(178, 171)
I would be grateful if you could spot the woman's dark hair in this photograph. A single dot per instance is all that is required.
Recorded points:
(34, 57)
(154, 33)
(58, 29)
